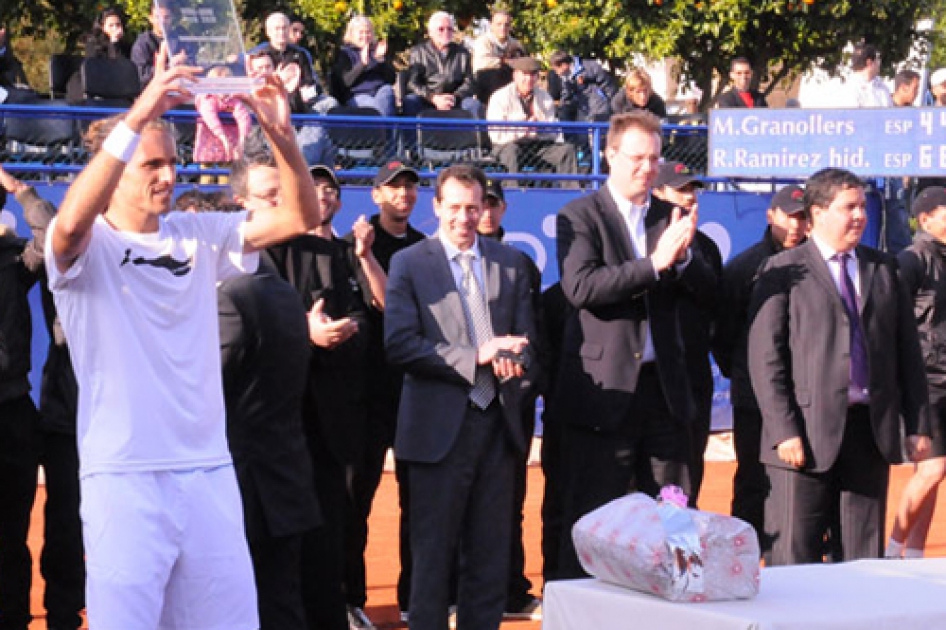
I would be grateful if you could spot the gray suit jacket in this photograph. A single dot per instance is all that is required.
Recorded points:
(799, 348)
(425, 334)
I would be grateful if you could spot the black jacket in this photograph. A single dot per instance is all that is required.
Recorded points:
(923, 273)
(431, 73)
(655, 104)
(21, 264)
(730, 339)
(730, 98)
(350, 76)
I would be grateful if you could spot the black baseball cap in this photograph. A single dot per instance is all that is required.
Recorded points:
(790, 199)
(676, 175)
(929, 200)
(495, 189)
(391, 170)
(320, 170)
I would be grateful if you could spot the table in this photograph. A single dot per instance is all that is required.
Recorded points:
(861, 595)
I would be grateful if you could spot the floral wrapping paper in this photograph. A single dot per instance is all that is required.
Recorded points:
(651, 546)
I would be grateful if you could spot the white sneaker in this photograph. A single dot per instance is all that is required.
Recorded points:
(358, 620)
(531, 611)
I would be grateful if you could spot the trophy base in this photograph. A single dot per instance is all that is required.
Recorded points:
(224, 85)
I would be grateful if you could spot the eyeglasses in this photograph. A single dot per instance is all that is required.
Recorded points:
(444, 28)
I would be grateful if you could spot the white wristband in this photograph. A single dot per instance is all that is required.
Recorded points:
(121, 142)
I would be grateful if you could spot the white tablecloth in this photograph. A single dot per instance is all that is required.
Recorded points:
(863, 595)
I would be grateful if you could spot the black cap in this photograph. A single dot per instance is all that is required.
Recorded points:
(790, 199)
(929, 200)
(676, 175)
(391, 170)
(495, 189)
(320, 170)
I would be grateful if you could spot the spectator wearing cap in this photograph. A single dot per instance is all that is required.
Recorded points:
(523, 101)
(938, 87)
(394, 192)
(520, 602)
(740, 92)
(787, 228)
(923, 272)
(440, 75)
(582, 88)
(333, 277)
(678, 185)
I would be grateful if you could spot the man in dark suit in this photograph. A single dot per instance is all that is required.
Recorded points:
(741, 94)
(787, 228)
(459, 321)
(625, 404)
(834, 360)
(678, 185)
(265, 359)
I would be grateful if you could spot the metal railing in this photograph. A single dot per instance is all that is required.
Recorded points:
(44, 141)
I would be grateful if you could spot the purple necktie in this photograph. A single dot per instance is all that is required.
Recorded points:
(860, 377)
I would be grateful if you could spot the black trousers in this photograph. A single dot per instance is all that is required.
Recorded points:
(518, 594)
(751, 481)
(803, 505)
(62, 561)
(19, 459)
(649, 450)
(277, 565)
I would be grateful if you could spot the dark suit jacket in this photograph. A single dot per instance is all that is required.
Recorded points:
(325, 269)
(616, 294)
(799, 350)
(264, 345)
(730, 98)
(425, 333)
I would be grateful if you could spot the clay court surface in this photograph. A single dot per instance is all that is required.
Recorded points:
(382, 554)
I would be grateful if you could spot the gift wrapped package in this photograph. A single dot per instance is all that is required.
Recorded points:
(669, 550)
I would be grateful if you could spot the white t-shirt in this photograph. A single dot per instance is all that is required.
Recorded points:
(140, 314)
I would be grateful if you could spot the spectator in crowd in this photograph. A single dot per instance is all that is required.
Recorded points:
(297, 31)
(624, 257)
(520, 602)
(217, 143)
(833, 379)
(362, 75)
(136, 294)
(582, 87)
(921, 271)
(62, 560)
(741, 92)
(107, 38)
(491, 53)
(11, 70)
(337, 280)
(146, 46)
(938, 87)
(678, 185)
(787, 228)
(865, 87)
(906, 87)
(21, 263)
(440, 75)
(394, 191)
(265, 360)
(459, 424)
(523, 101)
(306, 94)
(638, 93)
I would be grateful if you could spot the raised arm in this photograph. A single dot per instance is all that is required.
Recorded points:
(299, 209)
(92, 190)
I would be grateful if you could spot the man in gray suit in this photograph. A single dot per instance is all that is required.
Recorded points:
(834, 361)
(459, 321)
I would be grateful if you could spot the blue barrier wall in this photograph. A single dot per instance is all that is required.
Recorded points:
(735, 220)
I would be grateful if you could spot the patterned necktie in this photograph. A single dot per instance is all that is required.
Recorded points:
(860, 378)
(479, 329)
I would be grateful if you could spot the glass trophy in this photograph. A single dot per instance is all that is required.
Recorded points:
(206, 33)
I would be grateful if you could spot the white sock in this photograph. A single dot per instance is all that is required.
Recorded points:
(894, 549)
(912, 553)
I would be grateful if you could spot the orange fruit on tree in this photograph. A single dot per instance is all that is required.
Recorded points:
(398, 5)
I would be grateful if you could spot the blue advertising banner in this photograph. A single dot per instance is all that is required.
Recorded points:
(787, 143)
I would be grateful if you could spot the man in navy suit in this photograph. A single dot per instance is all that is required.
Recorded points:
(459, 321)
